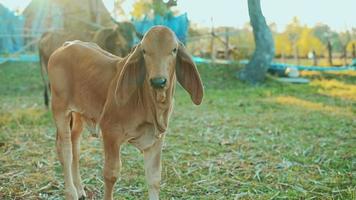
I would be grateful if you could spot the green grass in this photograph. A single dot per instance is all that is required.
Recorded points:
(275, 141)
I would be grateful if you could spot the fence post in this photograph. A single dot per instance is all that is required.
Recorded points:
(345, 54)
(227, 54)
(296, 54)
(315, 58)
(330, 53)
(212, 45)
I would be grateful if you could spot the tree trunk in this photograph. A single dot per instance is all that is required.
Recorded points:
(345, 55)
(255, 70)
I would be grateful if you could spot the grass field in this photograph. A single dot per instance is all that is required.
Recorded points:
(275, 141)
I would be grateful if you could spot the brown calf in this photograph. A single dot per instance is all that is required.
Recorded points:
(130, 99)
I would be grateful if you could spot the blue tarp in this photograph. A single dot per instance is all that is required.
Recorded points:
(11, 27)
(20, 58)
(311, 68)
(179, 24)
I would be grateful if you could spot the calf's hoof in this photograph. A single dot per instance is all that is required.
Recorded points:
(81, 193)
(71, 195)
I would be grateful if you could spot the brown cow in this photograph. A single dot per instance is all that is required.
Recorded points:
(130, 99)
(118, 41)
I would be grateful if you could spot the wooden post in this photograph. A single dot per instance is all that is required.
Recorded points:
(227, 54)
(353, 51)
(212, 45)
(94, 11)
(330, 55)
(315, 58)
(296, 53)
(283, 57)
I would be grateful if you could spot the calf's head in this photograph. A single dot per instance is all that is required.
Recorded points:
(158, 60)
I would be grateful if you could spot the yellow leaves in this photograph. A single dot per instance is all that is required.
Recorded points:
(311, 106)
(140, 8)
(336, 88)
(19, 116)
(283, 45)
(294, 29)
(308, 42)
(301, 36)
(349, 46)
(290, 100)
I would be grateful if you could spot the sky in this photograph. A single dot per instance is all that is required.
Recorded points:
(338, 14)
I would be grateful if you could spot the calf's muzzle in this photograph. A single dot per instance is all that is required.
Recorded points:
(158, 82)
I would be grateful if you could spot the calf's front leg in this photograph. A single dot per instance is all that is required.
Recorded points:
(152, 159)
(112, 164)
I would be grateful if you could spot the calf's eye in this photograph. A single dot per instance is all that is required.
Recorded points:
(174, 50)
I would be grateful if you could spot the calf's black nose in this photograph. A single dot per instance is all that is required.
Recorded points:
(158, 82)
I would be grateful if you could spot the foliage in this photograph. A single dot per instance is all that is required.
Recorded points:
(345, 38)
(142, 8)
(301, 36)
(277, 141)
(244, 39)
(283, 45)
(305, 38)
(325, 34)
(349, 46)
(308, 42)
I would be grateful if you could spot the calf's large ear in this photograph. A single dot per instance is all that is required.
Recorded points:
(131, 76)
(188, 75)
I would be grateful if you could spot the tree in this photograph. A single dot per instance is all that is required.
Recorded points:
(294, 30)
(152, 7)
(327, 36)
(351, 47)
(308, 42)
(345, 38)
(282, 45)
(255, 70)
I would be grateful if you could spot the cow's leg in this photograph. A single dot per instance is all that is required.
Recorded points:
(152, 159)
(45, 96)
(112, 163)
(77, 128)
(44, 75)
(64, 148)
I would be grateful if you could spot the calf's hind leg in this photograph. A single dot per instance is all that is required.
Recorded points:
(76, 129)
(64, 148)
